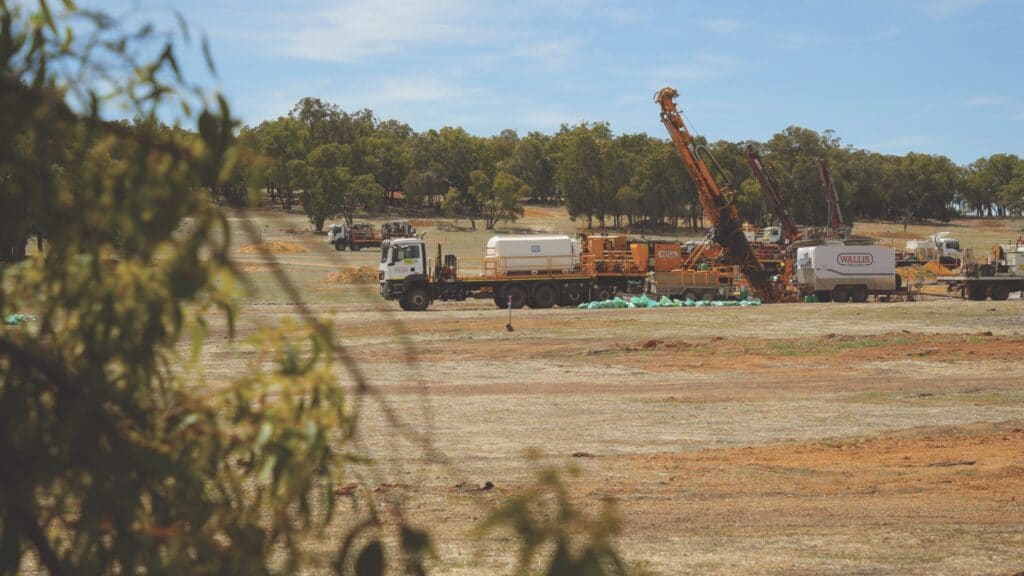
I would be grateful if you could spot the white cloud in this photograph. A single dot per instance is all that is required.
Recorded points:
(721, 25)
(984, 100)
(701, 69)
(942, 9)
(358, 29)
(797, 41)
(905, 142)
(551, 53)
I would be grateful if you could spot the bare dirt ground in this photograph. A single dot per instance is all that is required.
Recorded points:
(783, 439)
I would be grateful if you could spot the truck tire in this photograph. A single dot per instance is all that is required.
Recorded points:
(355, 247)
(977, 292)
(840, 294)
(602, 293)
(339, 246)
(499, 302)
(999, 292)
(859, 294)
(544, 296)
(708, 296)
(415, 300)
(690, 295)
(517, 293)
(572, 295)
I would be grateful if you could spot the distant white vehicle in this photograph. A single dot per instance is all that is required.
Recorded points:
(938, 247)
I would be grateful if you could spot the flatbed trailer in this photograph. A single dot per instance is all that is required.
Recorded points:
(981, 287)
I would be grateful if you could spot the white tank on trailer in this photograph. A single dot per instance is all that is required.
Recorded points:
(534, 254)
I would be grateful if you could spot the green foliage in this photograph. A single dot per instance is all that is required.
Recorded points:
(500, 201)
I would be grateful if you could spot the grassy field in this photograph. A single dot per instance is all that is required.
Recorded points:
(798, 438)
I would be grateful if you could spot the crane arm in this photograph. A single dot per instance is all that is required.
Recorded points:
(718, 208)
(770, 188)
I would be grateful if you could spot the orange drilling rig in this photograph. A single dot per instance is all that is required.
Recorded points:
(727, 228)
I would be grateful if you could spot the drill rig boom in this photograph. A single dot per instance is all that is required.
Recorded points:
(770, 187)
(717, 204)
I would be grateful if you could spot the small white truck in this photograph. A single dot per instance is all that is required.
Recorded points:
(1001, 276)
(938, 248)
(840, 272)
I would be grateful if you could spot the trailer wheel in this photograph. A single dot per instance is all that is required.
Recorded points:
(859, 294)
(975, 292)
(572, 296)
(840, 294)
(415, 300)
(517, 293)
(544, 296)
(1000, 292)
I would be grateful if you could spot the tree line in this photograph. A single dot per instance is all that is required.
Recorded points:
(344, 162)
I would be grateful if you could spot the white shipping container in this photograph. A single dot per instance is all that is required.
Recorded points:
(534, 254)
(826, 266)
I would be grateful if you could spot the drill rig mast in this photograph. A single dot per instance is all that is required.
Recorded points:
(834, 221)
(717, 203)
(770, 187)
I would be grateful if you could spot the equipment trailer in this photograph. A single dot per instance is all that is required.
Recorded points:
(997, 279)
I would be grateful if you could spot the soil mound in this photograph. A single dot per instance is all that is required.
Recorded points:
(272, 248)
(353, 275)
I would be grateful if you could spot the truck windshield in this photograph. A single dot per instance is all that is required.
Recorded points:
(408, 252)
(953, 245)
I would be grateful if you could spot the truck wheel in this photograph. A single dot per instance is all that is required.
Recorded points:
(1000, 292)
(708, 296)
(603, 293)
(415, 300)
(355, 247)
(572, 296)
(499, 302)
(544, 296)
(690, 295)
(976, 292)
(339, 246)
(859, 294)
(517, 293)
(840, 294)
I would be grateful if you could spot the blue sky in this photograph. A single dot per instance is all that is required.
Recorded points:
(933, 76)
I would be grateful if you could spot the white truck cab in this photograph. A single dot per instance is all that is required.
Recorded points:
(400, 258)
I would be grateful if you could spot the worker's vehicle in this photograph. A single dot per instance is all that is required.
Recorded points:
(539, 271)
(357, 236)
(726, 225)
(1000, 276)
(937, 248)
(841, 272)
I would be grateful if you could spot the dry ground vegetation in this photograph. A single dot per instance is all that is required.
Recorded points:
(871, 438)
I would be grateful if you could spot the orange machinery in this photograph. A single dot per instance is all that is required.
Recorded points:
(726, 225)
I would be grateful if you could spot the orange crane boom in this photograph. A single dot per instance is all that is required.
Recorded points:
(718, 207)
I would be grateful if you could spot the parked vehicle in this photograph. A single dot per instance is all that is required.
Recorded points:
(357, 236)
(1000, 276)
(516, 271)
(841, 272)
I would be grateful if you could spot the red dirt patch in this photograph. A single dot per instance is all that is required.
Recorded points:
(272, 248)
